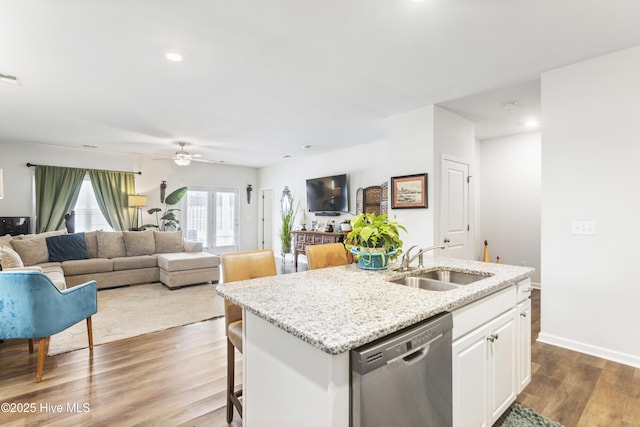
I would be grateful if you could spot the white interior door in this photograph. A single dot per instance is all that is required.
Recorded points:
(454, 214)
(266, 218)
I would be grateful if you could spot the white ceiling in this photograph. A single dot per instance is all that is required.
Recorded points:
(262, 78)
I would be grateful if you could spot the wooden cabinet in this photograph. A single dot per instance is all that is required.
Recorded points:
(303, 238)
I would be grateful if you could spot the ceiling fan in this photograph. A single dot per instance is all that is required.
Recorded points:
(184, 158)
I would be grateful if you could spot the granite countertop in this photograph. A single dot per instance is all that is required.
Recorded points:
(337, 309)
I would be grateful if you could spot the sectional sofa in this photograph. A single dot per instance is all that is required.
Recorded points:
(111, 258)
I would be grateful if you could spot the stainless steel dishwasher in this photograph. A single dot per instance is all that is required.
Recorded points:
(404, 379)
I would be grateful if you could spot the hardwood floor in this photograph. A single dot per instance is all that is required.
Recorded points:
(177, 377)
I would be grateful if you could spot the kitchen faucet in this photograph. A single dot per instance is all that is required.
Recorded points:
(407, 259)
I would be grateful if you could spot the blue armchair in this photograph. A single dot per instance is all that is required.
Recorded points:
(32, 307)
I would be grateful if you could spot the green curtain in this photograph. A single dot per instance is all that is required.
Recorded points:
(57, 191)
(112, 189)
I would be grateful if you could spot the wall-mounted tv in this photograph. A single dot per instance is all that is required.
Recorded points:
(329, 194)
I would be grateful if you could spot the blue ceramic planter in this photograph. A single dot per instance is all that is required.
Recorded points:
(372, 260)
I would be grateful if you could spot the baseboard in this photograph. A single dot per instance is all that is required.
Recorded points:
(536, 285)
(603, 353)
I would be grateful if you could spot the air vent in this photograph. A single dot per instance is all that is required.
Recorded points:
(9, 79)
(374, 357)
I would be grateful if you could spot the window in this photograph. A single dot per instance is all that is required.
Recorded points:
(211, 218)
(88, 216)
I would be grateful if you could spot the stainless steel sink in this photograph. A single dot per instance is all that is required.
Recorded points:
(424, 283)
(456, 277)
(439, 280)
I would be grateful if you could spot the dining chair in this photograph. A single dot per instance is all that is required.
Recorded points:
(235, 267)
(327, 255)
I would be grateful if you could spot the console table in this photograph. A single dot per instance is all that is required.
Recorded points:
(303, 238)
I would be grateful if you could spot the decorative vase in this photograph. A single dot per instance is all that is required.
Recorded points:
(372, 260)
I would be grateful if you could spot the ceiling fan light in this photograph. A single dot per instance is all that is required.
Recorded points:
(182, 160)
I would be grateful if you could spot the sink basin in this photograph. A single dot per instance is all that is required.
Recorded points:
(424, 283)
(449, 276)
(439, 280)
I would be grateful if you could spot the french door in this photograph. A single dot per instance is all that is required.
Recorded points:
(212, 218)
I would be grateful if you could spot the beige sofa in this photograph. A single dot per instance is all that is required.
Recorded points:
(111, 258)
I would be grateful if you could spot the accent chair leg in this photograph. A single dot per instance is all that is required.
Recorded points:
(30, 345)
(90, 333)
(42, 353)
(230, 379)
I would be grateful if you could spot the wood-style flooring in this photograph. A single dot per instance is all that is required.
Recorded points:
(176, 377)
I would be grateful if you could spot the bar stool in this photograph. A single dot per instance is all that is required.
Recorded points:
(240, 266)
(327, 255)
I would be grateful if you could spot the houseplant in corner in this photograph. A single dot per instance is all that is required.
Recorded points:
(288, 211)
(374, 240)
(169, 219)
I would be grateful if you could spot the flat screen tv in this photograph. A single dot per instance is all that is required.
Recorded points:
(329, 194)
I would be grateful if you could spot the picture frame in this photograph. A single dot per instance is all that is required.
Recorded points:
(320, 226)
(409, 191)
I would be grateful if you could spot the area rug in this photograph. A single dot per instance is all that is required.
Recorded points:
(517, 416)
(140, 309)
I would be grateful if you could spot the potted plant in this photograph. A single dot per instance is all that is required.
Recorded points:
(374, 240)
(169, 219)
(345, 225)
(288, 211)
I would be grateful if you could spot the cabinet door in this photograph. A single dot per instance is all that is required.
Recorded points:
(524, 344)
(502, 361)
(470, 379)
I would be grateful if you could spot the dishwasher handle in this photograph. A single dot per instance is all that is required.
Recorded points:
(419, 354)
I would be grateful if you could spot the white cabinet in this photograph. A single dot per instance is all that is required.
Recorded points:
(491, 355)
(484, 368)
(524, 335)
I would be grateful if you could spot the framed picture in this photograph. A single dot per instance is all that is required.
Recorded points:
(320, 226)
(409, 191)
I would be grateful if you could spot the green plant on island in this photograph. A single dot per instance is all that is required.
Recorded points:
(168, 220)
(373, 233)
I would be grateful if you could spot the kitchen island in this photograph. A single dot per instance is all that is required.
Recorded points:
(299, 329)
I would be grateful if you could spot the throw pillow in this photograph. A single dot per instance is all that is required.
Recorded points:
(110, 244)
(10, 258)
(139, 243)
(67, 247)
(91, 239)
(168, 241)
(41, 235)
(32, 251)
(5, 241)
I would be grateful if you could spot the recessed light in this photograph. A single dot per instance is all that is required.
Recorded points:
(9, 79)
(286, 156)
(531, 123)
(173, 56)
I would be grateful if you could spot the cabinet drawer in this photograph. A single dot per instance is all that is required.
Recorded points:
(308, 238)
(328, 239)
(467, 318)
(317, 240)
(524, 289)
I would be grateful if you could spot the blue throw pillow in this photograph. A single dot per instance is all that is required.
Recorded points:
(67, 247)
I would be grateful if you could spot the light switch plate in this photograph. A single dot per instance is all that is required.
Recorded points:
(583, 227)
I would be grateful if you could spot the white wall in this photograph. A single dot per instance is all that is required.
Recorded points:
(590, 172)
(18, 200)
(510, 203)
(411, 151)
(365, 165)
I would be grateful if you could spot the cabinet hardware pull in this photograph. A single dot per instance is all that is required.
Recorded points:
(491, 338)
(523, 314)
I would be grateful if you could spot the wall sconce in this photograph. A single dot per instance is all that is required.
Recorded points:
(249, 190)
(163, 189)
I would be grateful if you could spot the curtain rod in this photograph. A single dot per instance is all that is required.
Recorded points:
(137, 173)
